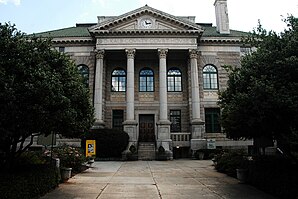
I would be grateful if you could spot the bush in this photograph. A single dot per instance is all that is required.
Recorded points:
(32, 182)
(70, 157)
(109, 142)
(208, 153)
(275, 175)
(228, 161)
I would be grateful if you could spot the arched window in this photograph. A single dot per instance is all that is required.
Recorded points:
(84, 71)
(174, 78)
(210, 77)
(118, 80)
(146, 80)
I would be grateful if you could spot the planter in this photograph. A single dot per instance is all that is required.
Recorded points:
(65, 173)
(242, 175)
(91, 162)
(201, 155)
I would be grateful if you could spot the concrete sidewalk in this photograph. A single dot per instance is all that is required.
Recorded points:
(178, 179)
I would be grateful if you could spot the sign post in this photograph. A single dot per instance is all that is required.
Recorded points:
(90, 148)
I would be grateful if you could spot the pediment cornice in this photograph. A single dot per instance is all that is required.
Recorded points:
(181, 24)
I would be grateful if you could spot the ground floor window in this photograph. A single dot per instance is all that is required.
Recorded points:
(175, 118)
(118, 119)
(212, 120)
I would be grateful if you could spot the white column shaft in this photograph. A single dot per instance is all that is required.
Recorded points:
(195, 89)
(130, 85)
(163, 100)
(98, 102)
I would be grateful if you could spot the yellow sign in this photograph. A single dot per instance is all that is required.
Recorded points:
(90, 148)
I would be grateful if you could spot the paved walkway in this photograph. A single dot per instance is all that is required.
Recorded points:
(178, 179)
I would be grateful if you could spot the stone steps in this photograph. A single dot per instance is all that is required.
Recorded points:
(146, 151)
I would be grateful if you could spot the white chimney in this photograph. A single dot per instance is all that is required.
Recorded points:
(222, 17)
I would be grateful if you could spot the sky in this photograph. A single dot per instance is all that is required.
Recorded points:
(34, 16)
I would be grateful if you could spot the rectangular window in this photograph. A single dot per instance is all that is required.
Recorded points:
(212, 120)
(61, 49)
(118, 119)
(175, 118)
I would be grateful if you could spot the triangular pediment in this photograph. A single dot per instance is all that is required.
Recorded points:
(146, 19)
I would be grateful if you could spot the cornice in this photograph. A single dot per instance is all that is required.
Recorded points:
(141, 32)
(145, 10)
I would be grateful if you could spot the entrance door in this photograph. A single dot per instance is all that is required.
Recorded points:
(146, 128)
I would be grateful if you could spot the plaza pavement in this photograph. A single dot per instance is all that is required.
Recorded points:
(177, 179)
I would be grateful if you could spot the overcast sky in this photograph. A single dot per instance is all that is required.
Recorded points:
(43, 15)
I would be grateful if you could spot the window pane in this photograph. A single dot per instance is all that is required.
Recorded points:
(118, 119)
(146, 80)
(175, 118)
(210, 77)
(212, 120)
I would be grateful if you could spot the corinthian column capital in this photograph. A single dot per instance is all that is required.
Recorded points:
(193, 53)
(162, 53)
(99, 54)
(130, 53)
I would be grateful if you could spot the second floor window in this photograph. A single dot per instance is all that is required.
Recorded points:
(210, 78)
(84, 71)
(174, 78)
(146, 80)
(118, 80)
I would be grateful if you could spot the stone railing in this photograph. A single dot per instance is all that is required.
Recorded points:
(181, 139)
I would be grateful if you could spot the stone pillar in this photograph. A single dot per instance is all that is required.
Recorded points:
(197, 125)
(98, 101)
(130, 125)
(163, 98)
(164, 135)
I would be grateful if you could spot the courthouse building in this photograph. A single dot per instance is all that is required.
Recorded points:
(156, 75)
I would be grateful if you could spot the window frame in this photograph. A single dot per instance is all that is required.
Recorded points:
(146, 76)
(174, 76)
(118, 76)
(116, 116)
(175, 130)
(84, 73)
(209, 78)
(212, 126)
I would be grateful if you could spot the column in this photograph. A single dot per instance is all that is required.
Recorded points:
(163, 99)
(130, 125)
(98, 102)
(130, 85)
(195, 89)
(163, 125)
(197, 125)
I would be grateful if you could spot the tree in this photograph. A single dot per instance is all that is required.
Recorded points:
(262, 95)
(41, 92)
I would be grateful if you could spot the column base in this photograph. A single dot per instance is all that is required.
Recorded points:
(196, 144)
(197, 129)
(164, 141)
(130, 127)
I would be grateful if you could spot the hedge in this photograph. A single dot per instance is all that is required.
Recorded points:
(109, 142)
(31, 182)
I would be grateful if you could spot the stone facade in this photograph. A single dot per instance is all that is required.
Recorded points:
(150, 39)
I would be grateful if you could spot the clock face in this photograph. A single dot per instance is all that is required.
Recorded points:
(146, 23)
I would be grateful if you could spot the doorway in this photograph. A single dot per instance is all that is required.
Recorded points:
(146, 128)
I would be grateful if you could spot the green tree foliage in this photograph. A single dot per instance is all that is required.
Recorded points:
(262, 95)
(41, 92)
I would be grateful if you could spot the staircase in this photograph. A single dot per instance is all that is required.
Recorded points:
(146, 151)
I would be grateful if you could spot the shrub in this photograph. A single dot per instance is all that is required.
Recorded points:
(109, 142)
(208, 153)
(70, 157)
(275, 175)
(32, 182)
(228, 161)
